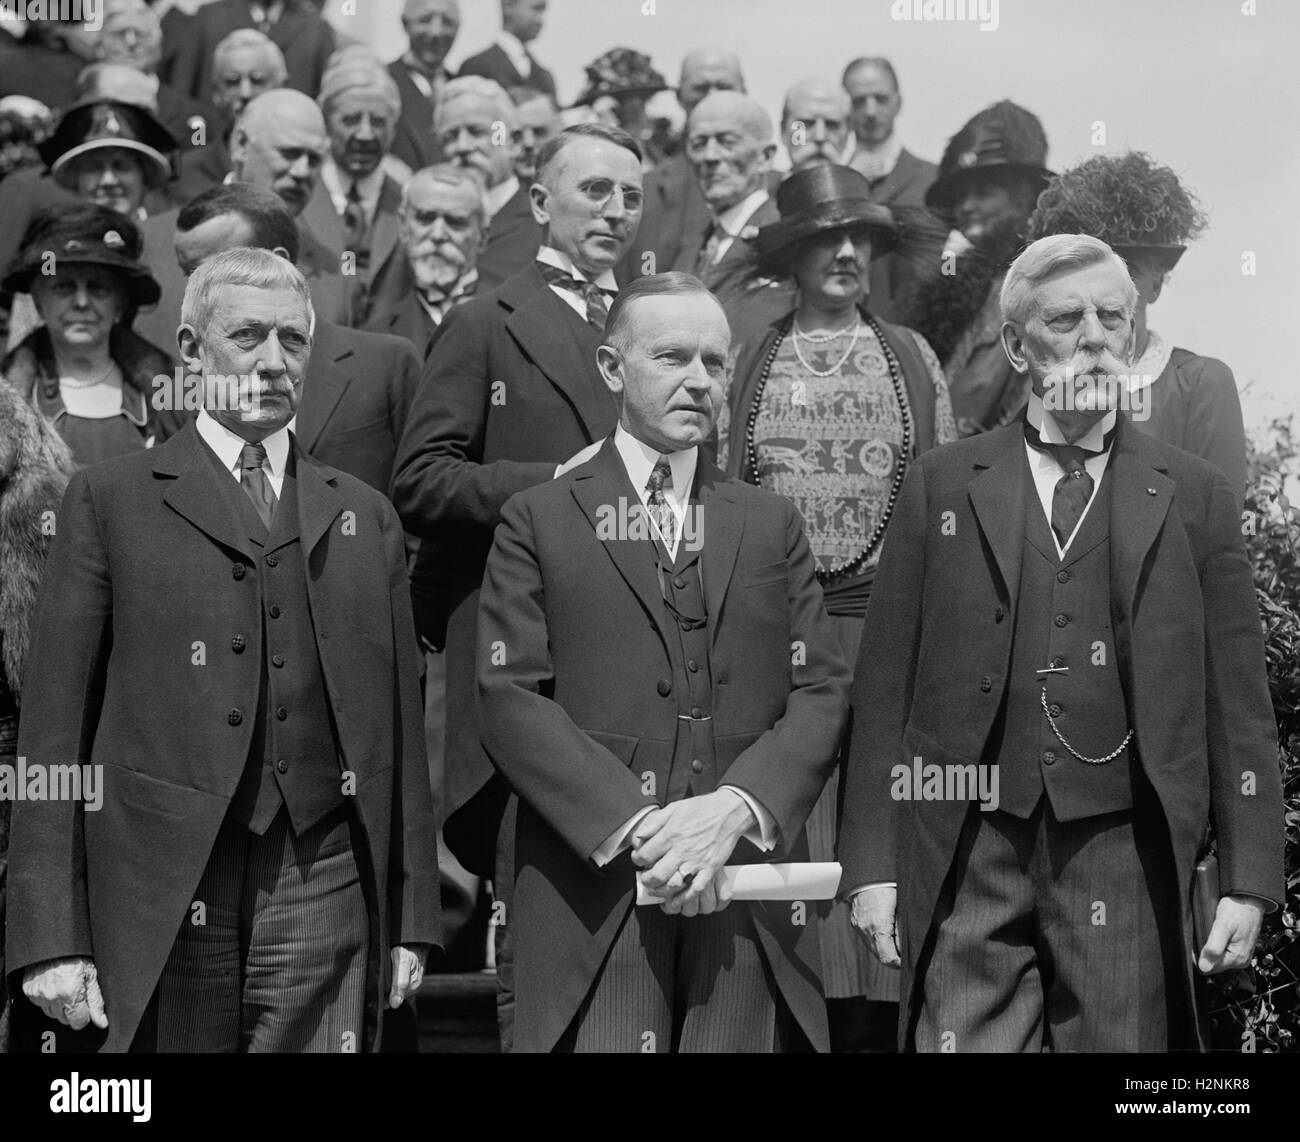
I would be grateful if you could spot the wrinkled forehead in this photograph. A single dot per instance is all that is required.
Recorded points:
(1102, 285)
(469, 110)
(817, 104)
(443, 196)
(260, 306)
(247, 59)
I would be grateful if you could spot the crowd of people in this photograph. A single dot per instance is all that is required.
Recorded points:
(333, 371)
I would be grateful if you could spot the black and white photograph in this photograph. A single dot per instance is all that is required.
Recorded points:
(609, 527)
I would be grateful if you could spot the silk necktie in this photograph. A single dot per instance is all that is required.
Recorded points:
(1074, 489)
(661, 511)
(708, 254)
(354, 225)
(253, 480)
(591, 293)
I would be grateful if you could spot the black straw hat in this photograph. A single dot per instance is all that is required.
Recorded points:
(99, 123)
(620, 71)
(825, 197)
(1004, 137)
(83, 234)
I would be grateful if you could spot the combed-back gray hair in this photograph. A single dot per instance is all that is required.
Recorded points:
(252, 38)
(242, 266)
(1049, 256)
(479, 87)
(452, 175)
(674, 283)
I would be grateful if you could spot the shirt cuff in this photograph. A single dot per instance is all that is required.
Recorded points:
(619, 839)
(762, 835)
(874, 884)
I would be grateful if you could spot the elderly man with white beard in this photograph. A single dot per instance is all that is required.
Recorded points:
(443, 220)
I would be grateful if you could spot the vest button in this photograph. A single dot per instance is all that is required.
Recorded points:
(679, 582)
(697, 766)
(1049, 758)
(692, 666)
(237, 644)
(277, 659)
(1054, 709)
(282, 766)
(1057, 663)
(273, 561)
(696, 712)
(274, 612)
(999, 615)
(235, 717)
(281, 713)
(1062, 576)
(237, 571)
(986, 684)
(664, 687)
(1061, 620)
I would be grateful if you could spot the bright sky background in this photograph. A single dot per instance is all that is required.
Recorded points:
(1204, 88)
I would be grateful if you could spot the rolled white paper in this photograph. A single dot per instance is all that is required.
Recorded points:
(812, 880)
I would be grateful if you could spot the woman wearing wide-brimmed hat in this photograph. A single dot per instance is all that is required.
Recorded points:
(1144, 213)
(84, 368)
(829, 406)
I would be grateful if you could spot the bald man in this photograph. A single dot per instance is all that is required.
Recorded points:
(730, 145)
(674, 206)
(815, 123)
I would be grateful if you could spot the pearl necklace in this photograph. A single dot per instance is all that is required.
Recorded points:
(900, 393)
(75, 383)
(835, 368)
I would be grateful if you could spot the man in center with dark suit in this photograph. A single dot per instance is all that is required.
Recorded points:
(226, 634)
(511, 391)
(508, 60)
(420, 73)
(1060, 685)
(661, 685)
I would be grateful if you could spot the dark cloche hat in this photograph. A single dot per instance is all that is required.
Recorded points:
(83, 234)
(100, 123)
(620, 71)
(825, 197)
(1002, 137)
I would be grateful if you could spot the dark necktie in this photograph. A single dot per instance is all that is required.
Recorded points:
(592, 294)
(354, 225)
(253, 480)
(708, 254)
(661, 511)
(1074, 489)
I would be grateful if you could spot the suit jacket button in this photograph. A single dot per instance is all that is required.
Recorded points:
(237, 644)
(664, 687)
(235, 717)
(679, 582)
(999, 614)
(1054, 709)
(1049, 758)
(281, 713)
(986, 684)
(277, 659)
(274, 612)
(1061, 620)
(282, 766)
(696, 712)
(697, 766)
(237, 571)
(1062, 576)
(692, 666)
(273, 561)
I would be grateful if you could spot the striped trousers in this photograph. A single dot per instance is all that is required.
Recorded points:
(273, 955)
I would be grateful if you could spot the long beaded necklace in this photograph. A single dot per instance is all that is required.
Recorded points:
(900, 392)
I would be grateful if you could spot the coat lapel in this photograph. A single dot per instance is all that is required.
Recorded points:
(539, 324)
(1140, 495)
(194, 493)
(720, 525)
(325, 384)
(383, 238)
(599, 494)
(997, 493)
(319, 501)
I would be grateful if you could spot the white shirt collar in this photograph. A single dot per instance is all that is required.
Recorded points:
(338, 183)
(499, 195)
(733, 219)
(513, 46)
(550, 256)
(879, 158)
(228, 446)
(1093, 440)
(639, 460)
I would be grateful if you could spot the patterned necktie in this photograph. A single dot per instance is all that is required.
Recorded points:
(661, 511)
(592, 294)
(354, 226)
(1074, 489)
(253, 480)
(708, 254)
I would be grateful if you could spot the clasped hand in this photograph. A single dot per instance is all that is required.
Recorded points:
(683, 847)
(67, 990)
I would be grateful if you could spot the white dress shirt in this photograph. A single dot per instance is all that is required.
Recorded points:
(550, 256)
(338, 183)
(639, 460)
(732, 220)
(228, 446)
(514, 48)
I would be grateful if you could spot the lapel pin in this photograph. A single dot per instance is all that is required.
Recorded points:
(1151, 491)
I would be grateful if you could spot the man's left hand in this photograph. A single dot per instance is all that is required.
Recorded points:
(408, 971)
(1232, 940)
(683, 846)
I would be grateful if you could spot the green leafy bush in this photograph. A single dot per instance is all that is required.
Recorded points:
(1259, 1009)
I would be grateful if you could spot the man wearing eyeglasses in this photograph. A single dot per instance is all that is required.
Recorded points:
(510, 391)
(730, 145)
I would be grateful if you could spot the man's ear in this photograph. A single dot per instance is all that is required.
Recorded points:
(238, 144)
(1013, 344)
(187, 340)
(538, 196)
(610, 365)
(769, 153)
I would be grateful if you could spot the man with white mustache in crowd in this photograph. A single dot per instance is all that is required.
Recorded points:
(442, 227)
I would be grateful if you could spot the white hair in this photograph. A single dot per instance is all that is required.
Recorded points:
(252, 38)
(242, 266)
(481, 88)
(452, 175)
(1049, 256)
